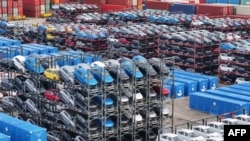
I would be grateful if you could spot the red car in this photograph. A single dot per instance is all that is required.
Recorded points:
(124, 41)
(51, 95)
(165, 90)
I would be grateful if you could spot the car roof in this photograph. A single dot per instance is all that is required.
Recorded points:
(230, 119)
(170, 134)
(187, 130)
(98, 63)
(245, 116)
(202, 126)
(217, 123)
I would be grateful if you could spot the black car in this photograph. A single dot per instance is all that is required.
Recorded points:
(19, 82)
(149, 94)
(159, 66)
(7, 83)
(150, 135)
(123, 120)
(54, 135)
(149, 114)
(89, 106)
(130, 137)
(86, 126)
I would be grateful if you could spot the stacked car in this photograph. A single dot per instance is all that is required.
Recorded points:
(233, 60)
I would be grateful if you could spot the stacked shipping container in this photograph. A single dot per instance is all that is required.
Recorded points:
(10, 9)
(36, 8)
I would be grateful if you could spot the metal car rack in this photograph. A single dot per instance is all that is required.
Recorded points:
(132, 129)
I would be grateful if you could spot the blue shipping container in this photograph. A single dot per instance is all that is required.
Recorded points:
(183, 8)
(245, 84)
(234, 1)
(229, 95)
(41, 50)
(213, 81)
(177, 89)
(30, 50)
(202, 83)
(216, 104)
(20, 130)
(13, 42)
(211, 1)
(4, 137)
(51, 49)
(5, 43)
(236, 91)
(240, 87)
(222, 1)
(73, 60)
(61, 61)
(190, 85)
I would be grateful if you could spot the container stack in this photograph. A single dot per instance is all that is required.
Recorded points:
(11, 9)
(32, 8)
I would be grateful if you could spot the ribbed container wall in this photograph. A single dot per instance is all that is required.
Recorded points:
(221, 1)
(212, 10)
(55, 1)
(128, 3)
(47, 6)
(20, 130)
(95, 2)
(15, 8)
(211, 1)
(4, 9)
(157, 5)
(233, 1)
(20, 7)
(10, 8)
(42, 7)
(183, 8)
(4, 137)
(32, 8)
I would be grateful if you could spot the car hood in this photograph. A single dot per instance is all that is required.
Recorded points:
(215, 134)
(200, 138)
(92, 82)
(109, 123)
(109, 101)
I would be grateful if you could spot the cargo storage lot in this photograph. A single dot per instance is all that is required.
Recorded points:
(105, 70)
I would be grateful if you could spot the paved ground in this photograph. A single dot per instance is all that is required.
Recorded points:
(183, 115)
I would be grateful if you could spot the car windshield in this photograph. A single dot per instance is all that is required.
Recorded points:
(210, 130)
(194, 134)
(88, 76)
(222, 126)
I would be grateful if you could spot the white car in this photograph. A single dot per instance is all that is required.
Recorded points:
(240, 80)
(227, 57)
(219, 126)
(207, 131)
(232, 36)
(225, 67)
(112, 39)
(169, 137)
(18, 62)
(190, 135)
(196, 23)
(215, 139)
(231, 121)
(245, 118)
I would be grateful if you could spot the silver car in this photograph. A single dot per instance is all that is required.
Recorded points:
(31, 107)
(67, 97)
(67, 74)
(207, 131)
(67, 119)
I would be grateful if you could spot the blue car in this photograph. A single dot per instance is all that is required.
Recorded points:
(131, 70)
(109, 124)
(102, 75)
(33, 65)
(227, 46)
(81, 34)
(84, 77)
